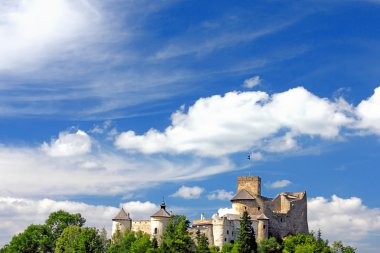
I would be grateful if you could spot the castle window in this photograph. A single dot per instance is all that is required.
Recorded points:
(232, 233)
(225, 239)
(258, 208)
(227, 232)
(245, 208)
(281, 219)
(264, 226)
(155, 231)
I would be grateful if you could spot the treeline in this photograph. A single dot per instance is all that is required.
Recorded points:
(65, 232)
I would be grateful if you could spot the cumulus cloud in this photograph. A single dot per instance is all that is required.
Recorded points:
(278, 184)
(188, 192)
(237, 121)
(368, 112)
(252, 82)
(33, 30)
(348, 220)
(17, 213)
(69, 144)
(220, 195)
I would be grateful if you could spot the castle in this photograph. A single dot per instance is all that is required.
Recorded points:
(278, 217)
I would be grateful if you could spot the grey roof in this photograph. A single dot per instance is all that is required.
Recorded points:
(122, 215)
(243, 195)
(162, 212)
(262, 217)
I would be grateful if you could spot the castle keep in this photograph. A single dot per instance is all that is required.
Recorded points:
(279, 216)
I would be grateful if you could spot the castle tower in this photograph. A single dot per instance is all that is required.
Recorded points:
(248, 196)
(122, 221)
(252, 184)
(262, 227)
(159, 221)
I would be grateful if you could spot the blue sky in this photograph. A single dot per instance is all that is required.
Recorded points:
(103, 103)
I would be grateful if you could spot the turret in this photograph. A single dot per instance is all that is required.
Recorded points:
(262, 227)
(159, 221)
(121, 222)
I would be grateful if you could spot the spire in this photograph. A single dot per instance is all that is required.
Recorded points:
(163, 205)
(162, 212)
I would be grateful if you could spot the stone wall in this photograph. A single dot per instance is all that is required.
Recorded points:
(141, 225)
(252, 184)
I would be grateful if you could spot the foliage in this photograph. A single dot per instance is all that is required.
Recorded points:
(80, 240)
(132, 242)
(60, 220)
(176, 237)
(269, 245)
(339, 248)
(35, 238)
(306, 243)
(246, 240)
(202, 243)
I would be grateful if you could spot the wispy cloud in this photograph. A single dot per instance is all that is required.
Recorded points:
(186, 192)
(278, 184)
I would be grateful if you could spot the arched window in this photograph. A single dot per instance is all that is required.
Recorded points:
(155, 231)
(258, 208)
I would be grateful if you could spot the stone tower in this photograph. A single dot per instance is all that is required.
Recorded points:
(262, 227)
(252, 184)
(122, 221)
(159, 221)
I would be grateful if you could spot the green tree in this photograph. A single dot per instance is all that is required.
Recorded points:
(75, 239)
(269, 245)
(35, 238)
(202, 243)
(60, 220)
(306, 243)
(227, 248)
(176, 237)
(246, 240)
(338, 247)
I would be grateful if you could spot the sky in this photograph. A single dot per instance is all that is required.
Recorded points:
(121, 102)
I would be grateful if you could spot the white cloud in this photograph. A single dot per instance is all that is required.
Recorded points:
(140, 210)
(368, 112)
(252, 82)
(27, 171)
(33, 30)
(69, 144)
(278, 184)
(256, 156)
(188, 192)
(224, 211)
(342, 219)
(17, 213)
(220, 194)
(237, 121)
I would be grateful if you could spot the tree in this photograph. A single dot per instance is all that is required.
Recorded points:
(246, 240)
(79, 240)
(269, 245)
(176, 237)
(202, 243)
(338, 247)
(35, 238)
(60, 220)
(305, 243)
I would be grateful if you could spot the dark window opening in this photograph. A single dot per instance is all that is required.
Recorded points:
(281, 219)
(245, 208)
(225, 239)
(258, 208)
(155, 231)
(264, 226)
(228, 232)
(232, 233)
